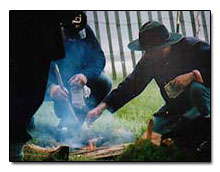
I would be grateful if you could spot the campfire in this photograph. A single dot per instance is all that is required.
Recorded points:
(93, 148)
(33, 152)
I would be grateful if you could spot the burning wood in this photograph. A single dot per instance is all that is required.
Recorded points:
(100, 152)
(91, 145)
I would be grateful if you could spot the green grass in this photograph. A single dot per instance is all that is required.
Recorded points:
(141, 109)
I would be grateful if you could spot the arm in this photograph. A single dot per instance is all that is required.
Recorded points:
(182, 81)
(201, 68)
(131, 87)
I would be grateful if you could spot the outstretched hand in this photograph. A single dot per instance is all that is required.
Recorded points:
(95, 113)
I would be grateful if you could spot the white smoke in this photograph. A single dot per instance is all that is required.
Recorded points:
(108, 130)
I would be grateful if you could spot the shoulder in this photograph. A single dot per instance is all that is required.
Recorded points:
(193, 43)
(90, 36)
(88, 30)
(190, 41)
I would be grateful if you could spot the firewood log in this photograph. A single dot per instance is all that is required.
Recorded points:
(33, 152)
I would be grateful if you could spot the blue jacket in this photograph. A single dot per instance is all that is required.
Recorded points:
(81, 56)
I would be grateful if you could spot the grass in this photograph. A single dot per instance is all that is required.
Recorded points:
(141, 109)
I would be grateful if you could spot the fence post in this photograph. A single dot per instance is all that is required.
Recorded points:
(139, 23)
(96, 21)
(177, 21)
(150, 15)
(114, 75)
(171, 21)
(193, 22)
(120, 44)
(204, 26)
(130, 37)
(182, 23)
(159, 16)
(139, 19)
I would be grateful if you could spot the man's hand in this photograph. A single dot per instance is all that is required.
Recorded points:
(95, 113)
(56, 93)
(182, 81)
(78, 79)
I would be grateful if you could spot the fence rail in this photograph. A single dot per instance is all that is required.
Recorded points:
(115, 29)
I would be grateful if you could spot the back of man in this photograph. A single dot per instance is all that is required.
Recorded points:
(35, 40)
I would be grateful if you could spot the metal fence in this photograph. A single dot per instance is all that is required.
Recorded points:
(115, 29)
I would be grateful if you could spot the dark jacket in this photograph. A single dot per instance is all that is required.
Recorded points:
(34, 40)
(187, 55)
(82, 56)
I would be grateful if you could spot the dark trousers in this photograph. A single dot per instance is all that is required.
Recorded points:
(100, 87)
(27, 87)
(194, 103)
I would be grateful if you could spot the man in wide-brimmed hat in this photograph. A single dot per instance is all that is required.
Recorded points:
(181, 68)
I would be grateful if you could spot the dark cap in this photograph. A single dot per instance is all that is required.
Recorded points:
(74, 19)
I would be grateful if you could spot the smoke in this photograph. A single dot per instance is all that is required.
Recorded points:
(111, 129)
(108, 130)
